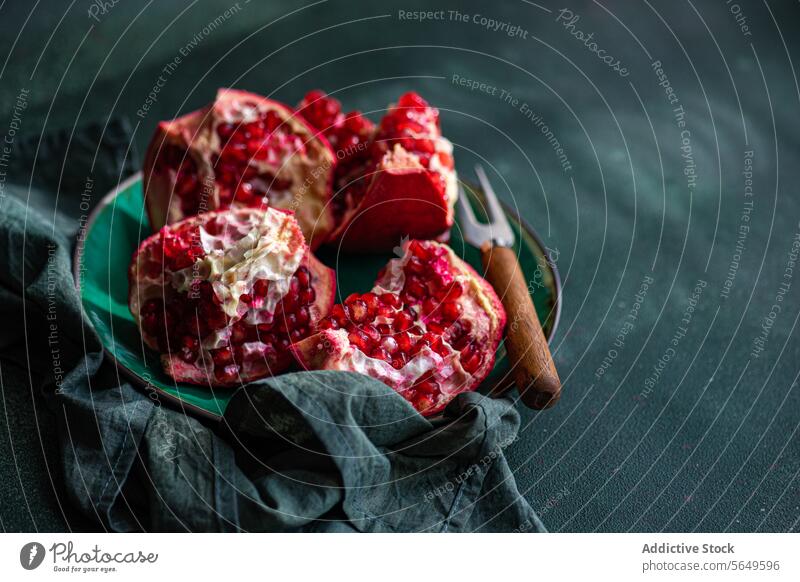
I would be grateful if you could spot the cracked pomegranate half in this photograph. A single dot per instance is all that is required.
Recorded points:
(223, 294)
(242, 150)
(392, 181)
(429, 328)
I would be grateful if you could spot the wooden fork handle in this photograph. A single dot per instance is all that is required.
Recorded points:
(529, 356)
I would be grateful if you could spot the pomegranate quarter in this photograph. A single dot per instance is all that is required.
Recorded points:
(429, 328)
(243, 150)
(222, 295)
(391, 181)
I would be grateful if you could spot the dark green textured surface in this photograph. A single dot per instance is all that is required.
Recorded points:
(714, 445)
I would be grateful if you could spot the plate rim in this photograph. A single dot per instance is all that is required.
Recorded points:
(109, 197)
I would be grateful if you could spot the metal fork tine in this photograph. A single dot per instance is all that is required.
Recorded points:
(494, 210)
(466, 207)
(501, 230)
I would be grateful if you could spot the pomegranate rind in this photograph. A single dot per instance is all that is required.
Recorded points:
(401, 201)
(331, 349)
(144, 286)
(401, 197)
(310, 173)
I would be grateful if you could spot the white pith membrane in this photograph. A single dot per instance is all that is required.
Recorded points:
(292, 155)
(478, 308)
(250, 245)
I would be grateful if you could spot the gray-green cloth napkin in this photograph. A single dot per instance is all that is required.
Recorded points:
(309, 451)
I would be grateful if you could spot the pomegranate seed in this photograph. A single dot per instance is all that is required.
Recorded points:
(385, 311)
(303, 316)
(222, 356)
(436, 328)
(372, 332)
(228, 373)
(303, 276)
(384, 328)
(391, 299)
(328, 323)
(359, 312)
(429, 306)
(389, 344)
(415, 265)
(428, 386)
(451, 311)
(423, 403)
(460, 342)
(238, 334)
(415, 289)
(351, 298)
(403, 321)
(381, 354)
(260, 287)
(339, 315)
(308, 296)
(359, 339)
(418, 250)
(371, 300)
(404, 343)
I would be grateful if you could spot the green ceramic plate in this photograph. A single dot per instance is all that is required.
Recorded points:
(119, 224)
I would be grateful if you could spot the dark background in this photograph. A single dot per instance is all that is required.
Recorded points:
(705, 440)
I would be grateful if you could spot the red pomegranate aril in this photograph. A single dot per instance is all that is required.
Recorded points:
(403, 320)
(385, 311)
(328, 323)
(381, 354)
(227, 374)
(391, 299)
(360, 339)
(436, 328)
(472, 364)
(359, 312)
(260, 287)
(371, 301)
(404, 342)
(222, 356)
(415, 289)
(415, 266)
(339, 315)
(419, 250)
(303, 276)
(429, 306)
(303, 316)
(422, 403)
(427, 386)
(372, 333)
(389, 344)
(451, 311)
(308, 296)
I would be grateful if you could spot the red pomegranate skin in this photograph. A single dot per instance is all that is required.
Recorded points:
(429, 328)
(222, 295)
(393, 181)
(242, 150)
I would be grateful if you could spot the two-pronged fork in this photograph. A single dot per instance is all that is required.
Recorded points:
(528, 353)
